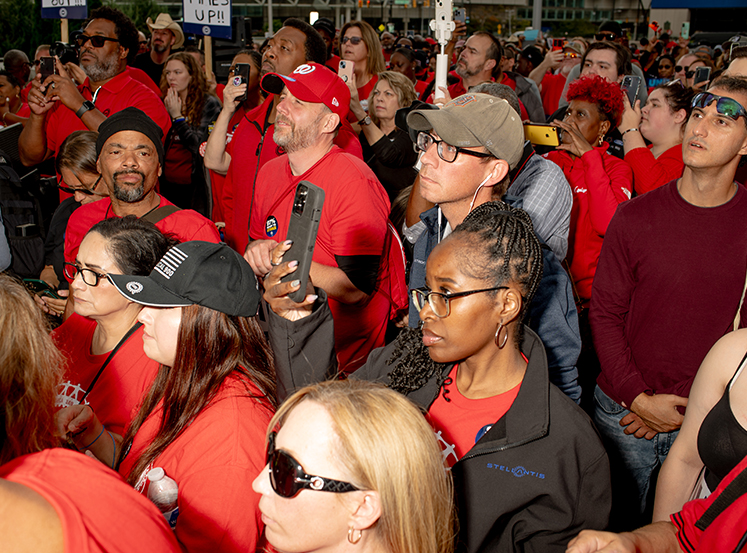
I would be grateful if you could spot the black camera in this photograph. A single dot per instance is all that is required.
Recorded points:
(65, 52)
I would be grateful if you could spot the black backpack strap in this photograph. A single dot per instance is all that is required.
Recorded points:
(736, 489)
(158, 215)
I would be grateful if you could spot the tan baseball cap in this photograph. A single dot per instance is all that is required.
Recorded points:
(474, 120)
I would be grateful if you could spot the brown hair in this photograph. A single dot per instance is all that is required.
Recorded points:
(29, 374)
(196, 90)
(388, 447)
(211, 346)
(401, 85)
(375, 63)
(78, 153)
(622, 55)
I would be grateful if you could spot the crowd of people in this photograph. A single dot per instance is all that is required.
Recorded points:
(586, 381)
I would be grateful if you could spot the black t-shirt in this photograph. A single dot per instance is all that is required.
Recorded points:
(153, 69)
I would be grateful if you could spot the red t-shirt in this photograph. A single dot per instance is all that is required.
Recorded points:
(99, 513)
(725, 532)
(218, 181)
(333, 63)
(364, 92)
(123, 382)
(457, 89)
(248, 150)
(177, 163)
(142, 77)
(23, 111)
(651, 172)
(118, 93)
(551, 90)
(460, 422)
(600, 182)
(214, 462)
(184, 225)
(354, 222)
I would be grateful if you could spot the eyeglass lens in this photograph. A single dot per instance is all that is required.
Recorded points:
(353, 39)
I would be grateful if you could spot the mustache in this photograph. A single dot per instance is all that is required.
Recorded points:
(282, 119)
(130, 172)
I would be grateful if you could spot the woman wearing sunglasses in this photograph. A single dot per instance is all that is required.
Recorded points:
(360, 44)
(106, 371)
(684, 70)
(76, 163)
(354, 465)
(529, 469)
(661, 122)
(203, 420)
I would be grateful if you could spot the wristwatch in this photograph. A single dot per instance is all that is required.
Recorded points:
(87, 106)
(365, 121)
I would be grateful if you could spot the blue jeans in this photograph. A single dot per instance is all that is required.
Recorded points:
(632, 460)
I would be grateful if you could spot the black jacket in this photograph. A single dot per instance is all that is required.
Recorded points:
(538, 477)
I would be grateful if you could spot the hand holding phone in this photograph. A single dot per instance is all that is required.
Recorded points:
(542, 135)
(630, 85)
(47, 67)
(241, 76)
(702, 74)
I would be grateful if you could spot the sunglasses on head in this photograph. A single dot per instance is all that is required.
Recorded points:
(354, 40)
(571, 55)
(288, 478)
(82, 189)
(97, 41)
(724, 106)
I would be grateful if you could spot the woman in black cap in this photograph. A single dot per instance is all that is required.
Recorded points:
(203, 421)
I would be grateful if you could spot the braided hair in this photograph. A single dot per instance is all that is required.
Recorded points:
(510, 251)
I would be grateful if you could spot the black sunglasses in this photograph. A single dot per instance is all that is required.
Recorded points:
(605, 36)
(355, 40)
(97, 41)
(288, 478)
(83, 190)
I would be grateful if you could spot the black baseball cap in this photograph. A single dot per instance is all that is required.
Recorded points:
(202, 273)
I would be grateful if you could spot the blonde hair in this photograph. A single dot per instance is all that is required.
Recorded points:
(29, 374)
(375, 63)
(401, 85)
(387, 446)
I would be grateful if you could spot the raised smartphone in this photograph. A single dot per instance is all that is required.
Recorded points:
(302, 229)
(345, 70)
(241, 76)
(47, 67)
(702, 74)
(630, 86)
(460, 14)
(542, 135)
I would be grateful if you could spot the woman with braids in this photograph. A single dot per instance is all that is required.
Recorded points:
(53, 499)
(662, 123)
(529, 469)
(599, 180)
(192, 109)
(203, 420)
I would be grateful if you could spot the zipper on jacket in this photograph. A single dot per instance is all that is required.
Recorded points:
(504, 447)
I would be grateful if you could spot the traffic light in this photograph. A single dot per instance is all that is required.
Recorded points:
(499, 29)
(360, 3)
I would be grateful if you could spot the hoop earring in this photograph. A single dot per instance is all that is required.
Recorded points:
(505, 337)
(351, 535)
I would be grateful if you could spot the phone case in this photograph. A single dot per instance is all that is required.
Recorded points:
(630, 85)
(302, 229)
(345, 70)
(702, 74)
(241, 76)
(542, 135)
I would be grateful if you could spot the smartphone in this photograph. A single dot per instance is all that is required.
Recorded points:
(542, 135)
(557, 44)
(460, 14)
(630, 85)
(40, 287)
(702, 74)
(47, 67)
(302, 229)
(345, 70)
(241, 76)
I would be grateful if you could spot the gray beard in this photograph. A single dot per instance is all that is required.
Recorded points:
(160, 48)
(102, 70)
(129, 194)
(298, 139)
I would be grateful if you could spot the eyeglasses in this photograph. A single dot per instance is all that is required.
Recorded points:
(89, 276)
(447, 152)
(84, 190)
(288, 478)
(439, 302)
(354, 40)
(97, 41)
(605, 36)
(724, 106)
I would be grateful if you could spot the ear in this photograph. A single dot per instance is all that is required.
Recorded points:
(510, 307)
(160, 170)
(331, 122)
(123, 52)
(604, 126)
(98, 166)
(680, 116)
(498, 169)
(367, 510)
(490, 64)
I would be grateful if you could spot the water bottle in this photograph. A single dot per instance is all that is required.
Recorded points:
(163, 492)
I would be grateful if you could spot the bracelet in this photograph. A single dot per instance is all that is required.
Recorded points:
(97, 437)
(636, 129)
(178, 119)
(4, 114)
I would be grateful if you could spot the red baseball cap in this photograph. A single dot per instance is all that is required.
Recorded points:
(312, 82)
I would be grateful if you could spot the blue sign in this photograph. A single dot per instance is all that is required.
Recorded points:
(64, 9)
(208, 17)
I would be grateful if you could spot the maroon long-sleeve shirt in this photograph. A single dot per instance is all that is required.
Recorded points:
(667, 287)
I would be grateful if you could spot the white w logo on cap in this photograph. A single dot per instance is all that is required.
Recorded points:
(305, 69)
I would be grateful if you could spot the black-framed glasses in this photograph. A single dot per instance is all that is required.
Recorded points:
(447, 152)
(288, 478)
(84, 190)
(97, 41)
(89, 276)
(354, 40)
(724, 106)
(439, 302)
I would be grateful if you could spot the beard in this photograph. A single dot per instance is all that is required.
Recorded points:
(293, 139)
(160, 48)
(131, 193)
(465, 72)
(103, 70)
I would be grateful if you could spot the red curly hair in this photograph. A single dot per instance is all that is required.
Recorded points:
(597, 90)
